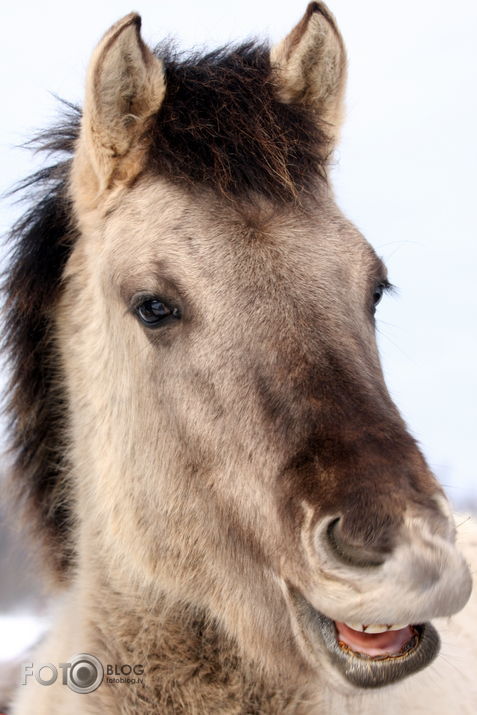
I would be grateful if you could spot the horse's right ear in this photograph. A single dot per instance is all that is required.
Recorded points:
(124, 89)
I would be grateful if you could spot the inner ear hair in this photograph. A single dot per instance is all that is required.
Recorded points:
(310, 66)
(125, 88)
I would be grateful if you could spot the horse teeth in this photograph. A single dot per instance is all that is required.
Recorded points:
(377, 628)
(398, 627)
(374, 628)
(355, 626)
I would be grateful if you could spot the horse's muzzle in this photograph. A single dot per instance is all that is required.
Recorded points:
(370, 612)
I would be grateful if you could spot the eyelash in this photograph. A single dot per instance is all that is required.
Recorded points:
(380, 289)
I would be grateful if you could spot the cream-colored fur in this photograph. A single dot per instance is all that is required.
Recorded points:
(185, 545)
(448, 686)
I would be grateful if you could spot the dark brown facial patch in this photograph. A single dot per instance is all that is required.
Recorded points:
(351, 454)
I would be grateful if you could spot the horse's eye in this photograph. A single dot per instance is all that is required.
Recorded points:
(378, 293)
(154, 312)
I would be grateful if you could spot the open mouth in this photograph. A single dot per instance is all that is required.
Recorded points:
(377, 641)
(371, 655)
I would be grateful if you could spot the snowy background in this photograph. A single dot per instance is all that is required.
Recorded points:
(405, 173)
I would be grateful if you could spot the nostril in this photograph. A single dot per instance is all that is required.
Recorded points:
(348, 553)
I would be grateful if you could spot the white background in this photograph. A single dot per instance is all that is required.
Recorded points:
(405, 170)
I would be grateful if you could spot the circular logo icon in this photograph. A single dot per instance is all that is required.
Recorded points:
(85, 674)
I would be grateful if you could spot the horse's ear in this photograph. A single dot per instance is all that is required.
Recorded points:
(124, 89)
(310, 67)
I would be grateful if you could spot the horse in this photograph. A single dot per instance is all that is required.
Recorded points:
(227, 503)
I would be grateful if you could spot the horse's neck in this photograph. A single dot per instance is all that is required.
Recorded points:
(189, 664)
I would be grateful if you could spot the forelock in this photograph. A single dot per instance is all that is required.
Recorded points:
(222, 126)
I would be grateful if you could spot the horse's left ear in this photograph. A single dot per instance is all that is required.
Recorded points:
(124, 89)
(310, 67)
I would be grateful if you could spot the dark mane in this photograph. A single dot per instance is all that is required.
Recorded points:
(220, 126)
(39, 245)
